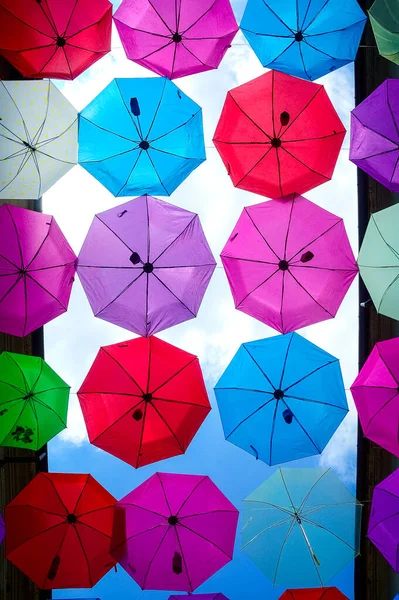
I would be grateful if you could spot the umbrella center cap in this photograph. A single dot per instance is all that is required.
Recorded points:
(147, 397)
(278, 394)
(176, 37)
(283, 265)
(28, 145)
(71, 518)
(298, 36)
(173, 520)
(275, 142)
(144, 145)
(148, 267)
(28, 396)
(61, 41)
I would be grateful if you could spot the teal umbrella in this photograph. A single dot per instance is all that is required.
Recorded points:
(301, 527)
(379, 261)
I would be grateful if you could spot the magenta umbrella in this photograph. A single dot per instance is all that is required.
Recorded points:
(289, 263)
(174, 531)
(2, 529)
(376, 395)
(176, 37)
(145, 265)
(37, 268)
(383, 529)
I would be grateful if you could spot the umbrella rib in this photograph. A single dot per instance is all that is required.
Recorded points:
(241, 389)
(206, 539)
(302, 110)
(208, 512)
(339, 221)
(300, 509)
(33, 407)
(130, 173)
(394, 170)
(321, 506)
(140, 30)
(262, 262)
(116, 235)
(42, 403)
(279, 172)
(157, 49)
(15, 388)
(175, 239)
(68, 264)
(157, 108)
(67, 62)
(283, 522)
(308, 35)
(56, 491)
(277, 16)
(141, 435)
(178, 402)
(382, 521)
(190, 495)
(179, 266)
(48, 512)
(123, 369)
(49, 18)
(164, 493)
(25, 306)
(10, 289)
(175, 128)
(70, 17)
(257, 287)
(57, 553)
(315, 402)
(24, 23)
(371, 129)
(310, 374)
(384, 240)
(19, 112)
(120, 503)
(303, 428)
(196, 57)
(173, 61)
(19, 170)
(174, 375)
(47, 62)
(380, 154)
(249, 416)
(129, 285)
(312, 554)
(392, 114)
(81, 493)
(38, 133)
(321, 137)
(169, 427)
(128, 111)
(174, 295)
(378, 412)
(315, 16)
(201, 17)
(154, 555)
(28, 539)
(32, 389)
(123, 137)
(252, 168)
(157, 13)
(47, 141)
(36, 163)
(259, 34)
(134, 535)
(16, 235)
(385, 293)
(305, 165)
(116, 421)
(303, 61)
(259, 367)
(15, 422)
(328, 531)
(184, 560)
(286, 489)
(260, 233)
(45, 290)
(289, 226)
(287, 535)
(41, 246)
(269, 137)
(157, 174)
(84, 554)
(10, 355)
(272, 431)
(310, 295)
(89, 512)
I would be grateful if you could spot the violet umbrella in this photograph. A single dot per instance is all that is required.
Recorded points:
(289, 263)
(383, 528)
(174, 531)
(37, 268)
(145, 265)
(376, 395)
(374, 145)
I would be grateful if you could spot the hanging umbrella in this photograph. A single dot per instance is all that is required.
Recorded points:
(2, 529)
(301, 527)
(374, 144)
(172, 42)
(38, 138)
(202, 597)
(322, 593)
(281, 398)
(59, 529)
(43, 38)
(289, 263)
(33, 401)
(379, 261)
(141, 136)
(384, 19)
(307, 39)
(145, 265)
(278, 135)
(376, 395)
(174, 531)
(143, 400)
(37, 268)
(383, 527)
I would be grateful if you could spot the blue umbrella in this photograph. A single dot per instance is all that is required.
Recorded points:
(301, 527)
(306, 38)
(141, 136)
(281, 398)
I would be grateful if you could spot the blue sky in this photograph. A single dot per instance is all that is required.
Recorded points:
(72, 340)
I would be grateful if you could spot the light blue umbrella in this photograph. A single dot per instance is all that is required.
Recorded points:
(301, 527)
(141, 136)
(305, 38)
(281, 398)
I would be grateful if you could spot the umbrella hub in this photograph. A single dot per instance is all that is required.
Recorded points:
(283, 265)
(278, 394)
(71, 518)
(299, 36)
(148, 267)
(28, 396)
(144, 145)
(28, 145)
(22, 271)
(173, 520)
(147, 397)
(176, 37)
(298, 518)
(61, 41)
(275, 142)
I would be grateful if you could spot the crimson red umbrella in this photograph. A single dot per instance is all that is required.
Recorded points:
(278, 135)
(59, 530)
(143, 400)
(58, 39)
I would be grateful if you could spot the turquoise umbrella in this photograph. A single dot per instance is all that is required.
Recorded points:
(301, 527)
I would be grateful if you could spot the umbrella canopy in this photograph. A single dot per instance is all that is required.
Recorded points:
(33, 401)
(37, 268)
(323, 593)
(281, 398)
(38, 139)
(59, 529)
(141, 136)
(374, 143)
(307, 38)
(384, 19)
(143, 400)
(383, 527)
(278, 135)
(376, 395)
(289, 263)
(379, 261)
(145, 265)
(301, 527)
(2, 529)
(54, 39)
(174, 531)
(202, 597)
(176, 43)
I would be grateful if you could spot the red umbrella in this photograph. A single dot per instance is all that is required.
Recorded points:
(59, 529)
(48, 38)
(143, 400)
(278, 135)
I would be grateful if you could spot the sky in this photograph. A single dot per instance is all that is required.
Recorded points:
(72, 340)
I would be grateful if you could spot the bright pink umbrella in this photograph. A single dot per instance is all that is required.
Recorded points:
(37, 268)
(376, 395)
(174, 531)
(176, 38)
(289, 263)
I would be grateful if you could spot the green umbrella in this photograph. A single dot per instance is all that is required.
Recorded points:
(379, 261)
(33, 401)
(384, 18)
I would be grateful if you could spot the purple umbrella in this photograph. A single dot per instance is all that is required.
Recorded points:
(374, 145)
(2, 529)
(217, 596)
(383, 529)
(37, 268)
(145, 265)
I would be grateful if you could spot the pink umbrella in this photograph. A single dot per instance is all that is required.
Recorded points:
(289, 263)
(37, 268)
(174, 531)
(376, 395)
(173, 38)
